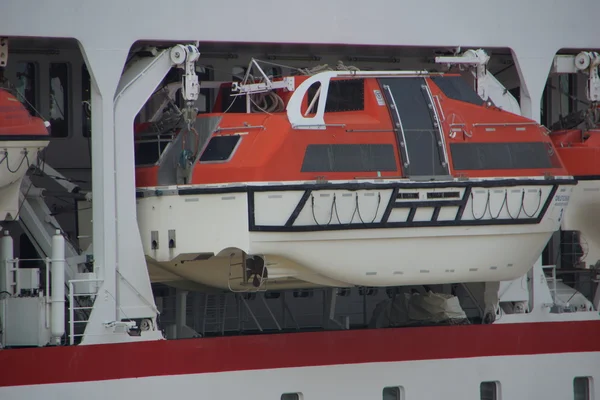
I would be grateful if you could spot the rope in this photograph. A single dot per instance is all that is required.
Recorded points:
(271, 102)
(522, 209)
(335, 210)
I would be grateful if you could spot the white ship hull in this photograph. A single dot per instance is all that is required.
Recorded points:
(373, 234)
(521, 359)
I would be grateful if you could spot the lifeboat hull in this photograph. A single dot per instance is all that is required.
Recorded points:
(16, 156)
(580, 151)
(22, 137)
(351, 233)
(583, 215)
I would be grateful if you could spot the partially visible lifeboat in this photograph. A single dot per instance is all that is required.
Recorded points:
(22, 137)
(348, 179)
(580, 151)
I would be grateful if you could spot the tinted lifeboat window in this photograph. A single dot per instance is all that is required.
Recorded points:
(220, 148)
(349, 158)
(457, 88)
(150, 146)
(482, 156)
(343, 95)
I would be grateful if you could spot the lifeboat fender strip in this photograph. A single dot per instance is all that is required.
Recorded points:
(409, 223)
(459, 203)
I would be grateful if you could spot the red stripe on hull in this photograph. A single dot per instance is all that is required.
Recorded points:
(192, 356)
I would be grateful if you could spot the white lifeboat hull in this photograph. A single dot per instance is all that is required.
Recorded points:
(352, 233)
(16, 156)
(583, 215)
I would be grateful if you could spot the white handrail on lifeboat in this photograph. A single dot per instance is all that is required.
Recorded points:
(294, 107)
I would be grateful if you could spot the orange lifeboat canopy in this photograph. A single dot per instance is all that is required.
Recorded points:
(16, 123)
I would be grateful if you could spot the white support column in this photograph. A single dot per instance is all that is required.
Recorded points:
(180, 312)
(138, 82)
(118, 253)
(533, 73)
(105, 68)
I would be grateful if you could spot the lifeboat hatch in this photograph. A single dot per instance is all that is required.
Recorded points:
(418, 130)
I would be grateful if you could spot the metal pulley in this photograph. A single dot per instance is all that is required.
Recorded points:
(586, 60)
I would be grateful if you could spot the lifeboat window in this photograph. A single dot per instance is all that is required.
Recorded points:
(489, 390)
(481, 156)
(408, 195)
(443, 195)
(581, 388)
(150, 146)
(292, 396)
(343, 95)
(349, 158)
(393, 393)
(220, 148)
(26, 85)
(59, 99)
(457, 88)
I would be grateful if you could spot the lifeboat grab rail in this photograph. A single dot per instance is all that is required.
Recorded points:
(504, 123)
(386, 87)
(237, 128)
(316, 122)
(438, 123)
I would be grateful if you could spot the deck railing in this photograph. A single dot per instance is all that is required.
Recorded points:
(77, 307)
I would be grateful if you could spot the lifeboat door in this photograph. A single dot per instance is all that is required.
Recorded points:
(420, 139)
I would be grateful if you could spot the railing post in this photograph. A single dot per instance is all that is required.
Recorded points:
(71, 315)
(48, 301)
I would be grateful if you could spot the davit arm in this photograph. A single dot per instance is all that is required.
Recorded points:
(488, 87)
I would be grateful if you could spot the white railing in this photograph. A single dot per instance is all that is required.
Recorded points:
(73, 307)
(553, 279)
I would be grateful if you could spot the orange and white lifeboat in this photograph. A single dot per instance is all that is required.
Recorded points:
(22, 137)
(580, 152)
(348, 179)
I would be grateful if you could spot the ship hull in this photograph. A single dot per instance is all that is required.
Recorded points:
(345, 234)
(426, 363)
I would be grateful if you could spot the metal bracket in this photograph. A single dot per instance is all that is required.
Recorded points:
(154, 240)
(185, 57)
(3, 51)
(586, 62)
(488, 87)
(172, 240)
